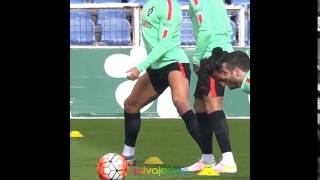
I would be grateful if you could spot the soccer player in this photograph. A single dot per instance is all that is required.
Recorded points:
(212, 28)
(166, 65)
(234, 71)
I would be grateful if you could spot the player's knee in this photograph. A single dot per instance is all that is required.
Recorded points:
(130, 105)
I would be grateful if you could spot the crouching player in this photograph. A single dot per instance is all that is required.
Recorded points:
(212, 29)
(234, 71)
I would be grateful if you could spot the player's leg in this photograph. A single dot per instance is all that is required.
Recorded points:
(142, 94)
(178, 81)
(217, 118)
(205, 129)
(179, 84)
(207, 158)
(218, 123)
(180, 91)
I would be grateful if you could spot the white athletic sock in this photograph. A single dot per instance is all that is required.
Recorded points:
(227, 158)
(128, 151)
(207, 158)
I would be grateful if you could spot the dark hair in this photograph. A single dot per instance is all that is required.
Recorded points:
(216, 58)
(217, 53)
(237, 59)
(227, 1)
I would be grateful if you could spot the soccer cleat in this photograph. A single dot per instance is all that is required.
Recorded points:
(198, 166)
(224, 168)
(130, 159)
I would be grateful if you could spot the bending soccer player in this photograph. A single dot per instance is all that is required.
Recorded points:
(212, 29)
(234, 71)
(166, 65)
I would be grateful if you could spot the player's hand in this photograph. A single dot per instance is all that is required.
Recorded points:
(133, 73)
(196, 68)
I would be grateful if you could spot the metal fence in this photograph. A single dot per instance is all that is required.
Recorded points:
(118, 24)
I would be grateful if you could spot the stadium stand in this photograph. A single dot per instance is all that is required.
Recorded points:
(241, 2)
(245, 3)
(115, 31)
(122, 34)
(110, 13)
(74, 13)
(141, 2)
(247, 36)
(187, 37)
(183, 2)
(106, 1)
(234, 29)
(77, 1)
(81, 31)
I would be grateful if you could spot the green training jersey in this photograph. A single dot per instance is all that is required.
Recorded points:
(161, 22)
(246, 83)
(211, 27)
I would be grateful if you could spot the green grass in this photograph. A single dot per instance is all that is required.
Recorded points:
(167, 139)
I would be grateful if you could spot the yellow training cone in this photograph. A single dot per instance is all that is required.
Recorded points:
(75, 134)
(208, 172)
(153, 160)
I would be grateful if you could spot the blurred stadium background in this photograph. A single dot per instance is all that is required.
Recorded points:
(116, 22)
